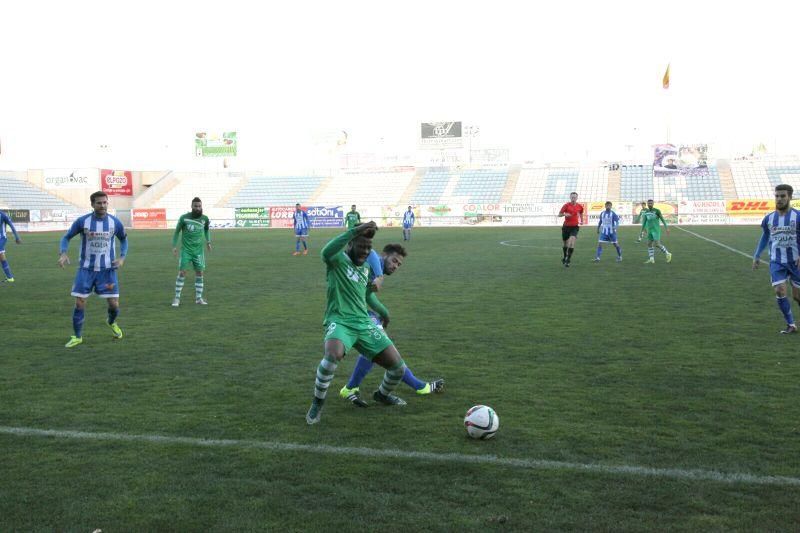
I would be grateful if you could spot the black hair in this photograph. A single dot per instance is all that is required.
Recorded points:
(196, 199)
(95, 195)
(784, 187)
(395, 249)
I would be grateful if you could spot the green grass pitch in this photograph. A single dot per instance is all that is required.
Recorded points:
(672, 367)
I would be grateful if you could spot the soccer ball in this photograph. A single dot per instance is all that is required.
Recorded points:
(481, 422)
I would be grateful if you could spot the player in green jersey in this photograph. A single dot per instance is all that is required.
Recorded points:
(194, 227)
(650, 218)
(352, 218)
(639, 218)
(347, 321)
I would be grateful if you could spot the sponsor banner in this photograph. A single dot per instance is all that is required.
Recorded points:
(116, 182)
(474, 210)
(749, 207)
(252, 217)
(80, 178)
(703, 218)
(325, 217)
(702, 207)
(668, 210)
(392, 215)
(215, 144)
(437, 211)
(19, 215)
(149, 218)
(439, 135)
(281, 216)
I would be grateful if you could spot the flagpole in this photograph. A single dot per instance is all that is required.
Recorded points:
(668, 106)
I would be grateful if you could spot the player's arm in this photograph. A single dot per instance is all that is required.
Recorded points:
(308, 223)
(207, 233)
(599, 223)
(378, 307)
(63, 258)
(175, 234)
(7, 220)
(562, 212)
(661, 218)
(762, 243)
(374, 262)
(337, 244)
(123, 245)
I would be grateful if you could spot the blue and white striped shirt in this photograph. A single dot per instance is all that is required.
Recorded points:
(408, 218)
(97, 240)
(300, 220)
(6, 220)
(609, 222)
(780, 232)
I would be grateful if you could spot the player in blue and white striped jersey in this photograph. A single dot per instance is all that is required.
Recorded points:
(607, 229)
(97, 263)
(408, 223)
(301, 225)
(779, 230)
(5, 220)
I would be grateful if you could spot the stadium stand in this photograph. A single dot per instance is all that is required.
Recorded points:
(481, 185)
(19, 194)
(751, 179)
(275, 190)
(210, 188)
(433, 185)
(560, 182)
(784, 172)
(530, 186)
(366, 188)
(593, 183)
(636, 183)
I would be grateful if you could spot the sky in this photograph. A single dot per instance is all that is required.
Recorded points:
(554, 81)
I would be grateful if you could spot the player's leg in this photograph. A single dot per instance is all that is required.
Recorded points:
(651, 252)
(199, 263)
(296, 243)
(571, 244)
(782, 300)
(107, 287)
(338, 339)
(422, 387)
(4, 262)
(564, 239)
(616, 245)
(351, 390)
(81, 289)
(304, 240)
(663, 248)
(390, 359)
(599, 250)
(179, 281)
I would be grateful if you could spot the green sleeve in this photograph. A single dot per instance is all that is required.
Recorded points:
(376, 305)
(206, 230)
(336, 245)
(359, 217)
(177, 232)
(644, 220)
(662, 218)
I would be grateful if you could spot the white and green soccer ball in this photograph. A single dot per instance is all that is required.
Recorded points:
(481, 422)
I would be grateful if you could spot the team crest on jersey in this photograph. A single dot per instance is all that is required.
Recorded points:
(353, 274)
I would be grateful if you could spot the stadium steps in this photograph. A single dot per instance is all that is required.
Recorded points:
(157, 190)
(319, 190)
(405, 199)
(726, 180)
(511, 184)
(223, 202)
(614, 181)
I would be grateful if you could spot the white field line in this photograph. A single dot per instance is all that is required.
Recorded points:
(457, 458)
(734, 250)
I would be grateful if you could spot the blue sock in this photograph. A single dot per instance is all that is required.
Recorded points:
(786, 309)
(112, 314)
(411, 380)
(363, 366)
(297, 245)
(305, 245)
(599, 251)
(77, 321)
(7, 269)
(619, 250)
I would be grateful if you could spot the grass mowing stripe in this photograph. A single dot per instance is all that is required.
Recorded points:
(534, 464)
(734, 250)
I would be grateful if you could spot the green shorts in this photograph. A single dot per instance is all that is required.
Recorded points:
(654, 235)
(367, 338)
(198, 261)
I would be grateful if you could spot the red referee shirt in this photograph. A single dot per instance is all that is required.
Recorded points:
(573, 214)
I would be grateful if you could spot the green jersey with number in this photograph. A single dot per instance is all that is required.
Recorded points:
(347, 283)
(651, 218)
(195, 233)
(352, 219)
